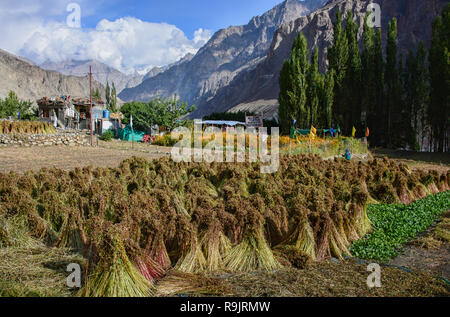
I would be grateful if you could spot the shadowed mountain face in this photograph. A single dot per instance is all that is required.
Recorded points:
(257, 89)
(230, 52)
(31, 82)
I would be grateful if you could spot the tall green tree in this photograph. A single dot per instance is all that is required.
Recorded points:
(379, 111)
(294, 87)
(393, 95)
(368, 105)
(96, 95)
(113, 102)
(415, 83)
(439, 65)
(315, 84)
(352, 82)
(338, 55)
(108, 95)
(327, 99)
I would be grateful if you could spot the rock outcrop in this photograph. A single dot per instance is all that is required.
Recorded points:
(31, 82)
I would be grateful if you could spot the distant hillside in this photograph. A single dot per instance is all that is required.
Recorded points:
(31, 82)
(101, 72)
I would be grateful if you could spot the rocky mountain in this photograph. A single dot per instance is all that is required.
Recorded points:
(257, 89)
(31, 82)
(231, 51)
(101, 72)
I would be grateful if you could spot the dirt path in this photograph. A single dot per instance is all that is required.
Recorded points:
(436, 262)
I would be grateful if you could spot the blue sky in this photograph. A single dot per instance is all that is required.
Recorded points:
(131, 36)
(188, 15)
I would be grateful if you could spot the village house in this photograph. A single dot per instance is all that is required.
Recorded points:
(69, 113)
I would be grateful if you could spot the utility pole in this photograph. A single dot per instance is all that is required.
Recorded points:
(90, 92)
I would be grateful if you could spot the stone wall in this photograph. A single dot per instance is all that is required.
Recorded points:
(61, 138)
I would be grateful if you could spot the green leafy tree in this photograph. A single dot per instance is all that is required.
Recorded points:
(338, 55)
(96, 95)
(113, 102)
(163, 112)
(108, 95)
(439, 65)
(352, 81)
(415, 83)
(11, 105)
(293, 87)
(327, 99)
(395, 130)
(315, 88)
(368, 106)
(378, 112)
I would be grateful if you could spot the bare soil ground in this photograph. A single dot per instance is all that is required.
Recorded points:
(105, 155)
(111, 154)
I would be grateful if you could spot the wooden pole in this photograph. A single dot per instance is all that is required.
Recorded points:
(90, 93)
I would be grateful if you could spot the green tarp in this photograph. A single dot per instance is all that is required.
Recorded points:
(127, 134)
(295, 132)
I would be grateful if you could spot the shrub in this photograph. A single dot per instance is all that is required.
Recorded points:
(107, 136)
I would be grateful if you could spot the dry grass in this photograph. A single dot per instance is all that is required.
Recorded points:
(324, 279)
(327, 279)
(38, 271)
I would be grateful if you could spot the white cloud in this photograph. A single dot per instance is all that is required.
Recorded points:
(127, 44)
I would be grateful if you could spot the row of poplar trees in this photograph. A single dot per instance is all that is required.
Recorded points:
(404, 101)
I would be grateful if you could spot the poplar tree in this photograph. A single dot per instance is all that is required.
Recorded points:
(439, 65)
(353, 86)
(368, 105)
(327, 99)
(315, 83)
(113, 98)
(108, 94)
(294, 87)
(337, 58)
(393, 100)
(415, 83)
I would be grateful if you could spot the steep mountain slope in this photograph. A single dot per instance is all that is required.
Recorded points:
(257, 89)
(31, 82)
(101, 72)
(229, 52)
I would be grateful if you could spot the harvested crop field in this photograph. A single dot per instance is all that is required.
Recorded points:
(225, 218)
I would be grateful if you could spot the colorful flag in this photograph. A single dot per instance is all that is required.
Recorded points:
(313, 132)
(338, 129)
(353, 132)
(367, 132)
(131, 121)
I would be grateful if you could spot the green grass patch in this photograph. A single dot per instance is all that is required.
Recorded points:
(395, 225)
